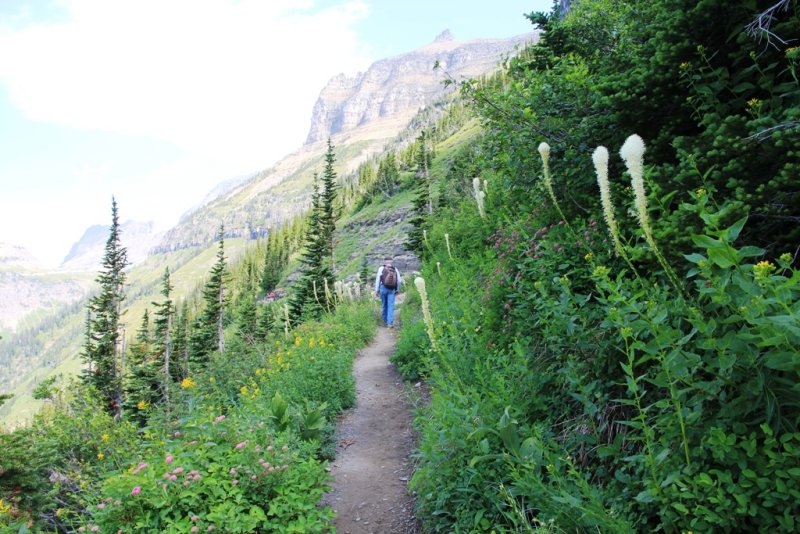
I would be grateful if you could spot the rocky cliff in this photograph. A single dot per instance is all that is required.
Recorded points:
(361, 114)
(25, 287)
(87, 253)
(399, 86)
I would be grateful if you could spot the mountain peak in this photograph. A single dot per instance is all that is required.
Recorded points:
(394, 89)
(444, 37)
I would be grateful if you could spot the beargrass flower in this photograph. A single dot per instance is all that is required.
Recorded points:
(600, 160)
(447, 242)
(632, 152)
(419, 283)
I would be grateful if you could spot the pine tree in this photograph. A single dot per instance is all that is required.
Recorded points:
(143, 381)
(423, 202)
(308, 300)
(265, 322)
(179, 364)
(329, 211)
(162, 334)
(101, 351)
(275, 260)
(363, 275)
(388, 175)
(207, 335)
(246, 319)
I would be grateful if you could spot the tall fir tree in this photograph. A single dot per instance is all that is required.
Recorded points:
(329, 211)
(101, 351)
(423, 199)
(309, 299)
(162, 334)
(142, 384)
(207, 332)
(179, 361)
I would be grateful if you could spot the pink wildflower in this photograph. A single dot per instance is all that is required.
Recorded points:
(285, 448)
(269, 448)
(253, 477)
(241, 445)
(168, 459)
(177, 434)
(178, 470)
(194, 518)
(220, 418)
(193, 529)
(232, 471)
(136, 491)
(211, 527)
(234, 481)
(95, 528)
(101, 505)
(173, 477)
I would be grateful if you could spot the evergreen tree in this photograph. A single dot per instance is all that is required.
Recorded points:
(363, 275)
(265, 322)
(275, 260)
(207, 335)
(309, 291)
(423, 203)
(101, 349)
(329, 212)
(179, 360)
(142, 384)
(162, 334)
(246, 319)
(388, 175)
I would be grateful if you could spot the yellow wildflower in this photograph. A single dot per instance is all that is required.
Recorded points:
(763, 269)
(100, 456)
(258, 372)
(4, 508)
(685, 65)
(700, 192)
(753, 102)
(298, 341)
(188, 383)
(142, 405)
(588, 256)
(322, 343)
(104, 437)
(243, 390)
(311, 342)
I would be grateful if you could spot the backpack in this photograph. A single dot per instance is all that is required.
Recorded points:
(389, 277)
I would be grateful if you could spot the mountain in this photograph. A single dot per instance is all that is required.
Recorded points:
(383, 108)
(399, 86)
(26, 287)
(361, 114)
(87, 253)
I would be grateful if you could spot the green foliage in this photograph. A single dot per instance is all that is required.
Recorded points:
(101, 351)
(207, 331)
(591, 393)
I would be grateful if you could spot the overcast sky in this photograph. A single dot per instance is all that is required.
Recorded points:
(157, 101)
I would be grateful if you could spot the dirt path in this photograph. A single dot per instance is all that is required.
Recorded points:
(374, 443)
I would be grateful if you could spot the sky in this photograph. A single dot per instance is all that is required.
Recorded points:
(155, 102)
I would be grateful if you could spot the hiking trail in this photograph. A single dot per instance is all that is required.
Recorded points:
(374, 441)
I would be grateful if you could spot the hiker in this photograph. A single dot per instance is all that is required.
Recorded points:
(387, 284)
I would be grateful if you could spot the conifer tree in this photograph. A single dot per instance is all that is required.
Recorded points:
(265, 322)
(388, 174)
(275, 259)
(246, 319)
(309, 296)
(101, 351)
(142, 383)
(207, 335)
(423, 202)
(329, 211)
(179, 364)
(162, 334)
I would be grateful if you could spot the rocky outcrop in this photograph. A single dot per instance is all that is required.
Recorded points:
(87, 253)
(403, 84)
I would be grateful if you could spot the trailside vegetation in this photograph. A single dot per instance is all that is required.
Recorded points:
(220, 416)
(614, 325)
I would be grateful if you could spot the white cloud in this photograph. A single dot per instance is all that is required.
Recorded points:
(233, 81)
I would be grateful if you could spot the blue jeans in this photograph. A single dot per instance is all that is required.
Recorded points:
(387, 301)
